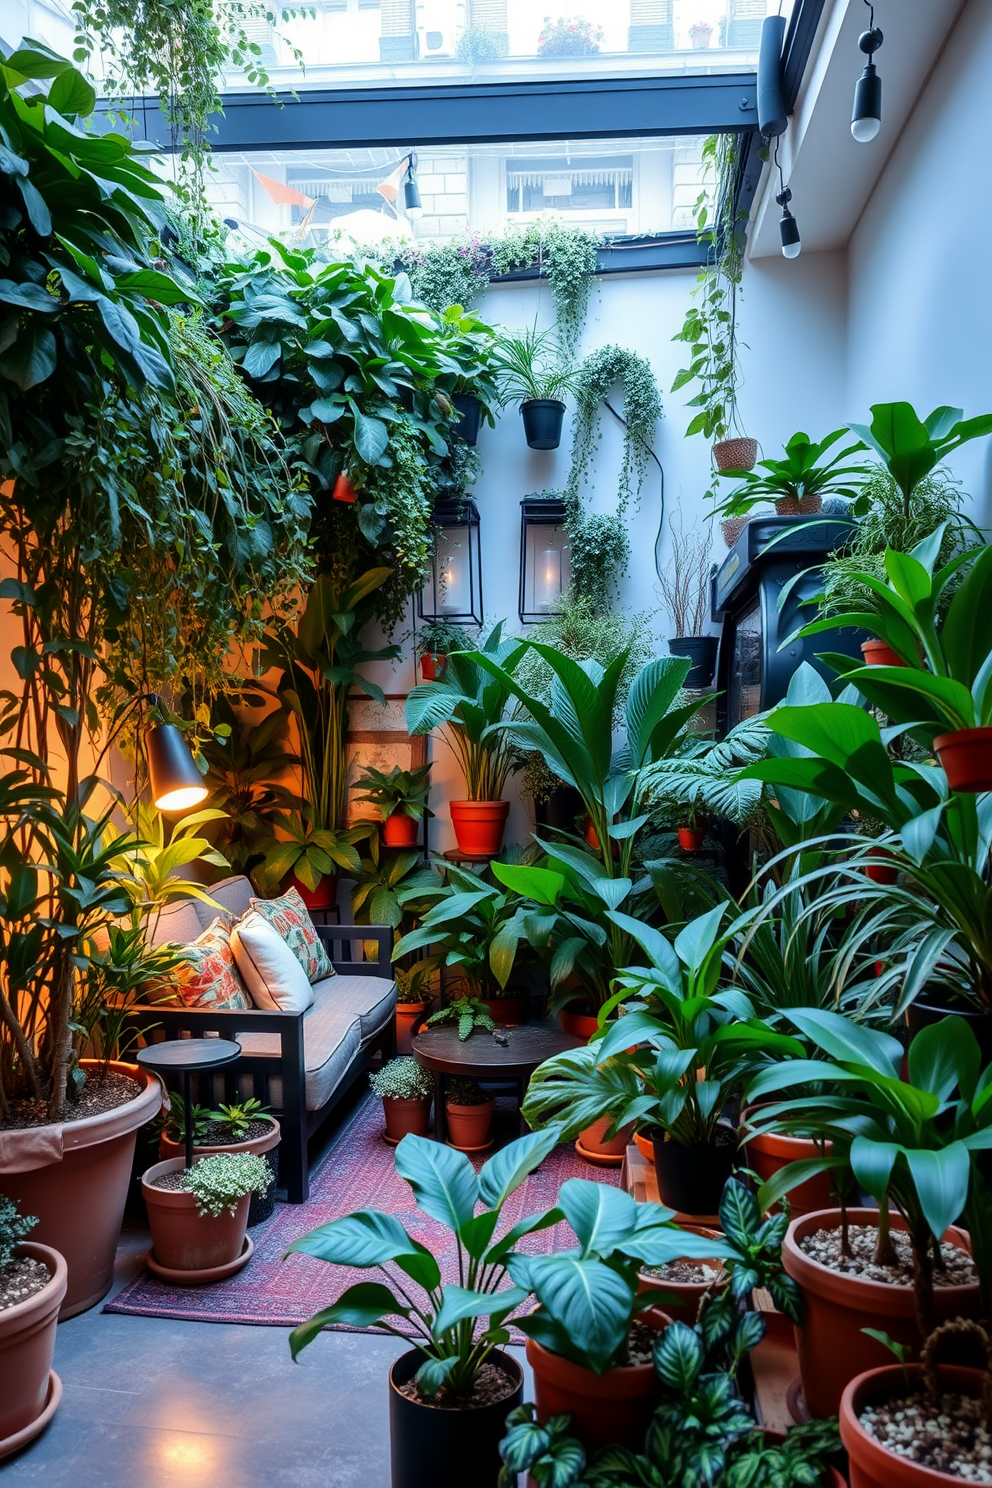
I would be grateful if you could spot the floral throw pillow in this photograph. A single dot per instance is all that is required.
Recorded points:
(288, 916)
(208, 977)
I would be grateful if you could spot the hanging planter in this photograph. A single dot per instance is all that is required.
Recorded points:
(735, 454)
(467, 427)
(966, 757)
(543, 419)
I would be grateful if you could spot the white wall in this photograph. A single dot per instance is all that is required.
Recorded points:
(793, 322)
(920, 309)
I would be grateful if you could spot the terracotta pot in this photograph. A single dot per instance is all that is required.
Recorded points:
(681, 1299)
(432, 664)
(184, 1240)
(343, 489)
(769, 1152)
(262, 1205)
(735, 454)
(479, 826)
(966, 756)
(593, 1139)
(400, 830)
(613, 1408)
(880, 653)
(430, 1447)
(27, 1344)
(324, 896)
(590, 835)
(691, 839)
(882, 873)
(509, 1012)
(577, 1025)
(787, 506)
(78, 1187)
(871, 1465)
(832, 1348)
(691, 1179)
(468, 1126)
(407, 1014)
(404, 1116)
(644, 1145)
(731, 529)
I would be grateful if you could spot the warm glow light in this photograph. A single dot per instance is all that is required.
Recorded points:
(549, 588)
(453, 580)
(195, 1457)
(182, 800)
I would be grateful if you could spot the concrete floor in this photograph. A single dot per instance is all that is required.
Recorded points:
(152, 1403)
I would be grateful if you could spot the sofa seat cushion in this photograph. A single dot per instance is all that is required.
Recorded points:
(332, 1036)
(370, 999)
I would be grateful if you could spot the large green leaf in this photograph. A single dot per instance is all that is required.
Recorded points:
(589, 1301)
(366, 1238)
(601, 1216)
(458, 1303)
(945, 1056)
(506, 1169)
(443, 1181)
(678, 1357)
(849, 1042)
(941, 1182)
(361, 1306)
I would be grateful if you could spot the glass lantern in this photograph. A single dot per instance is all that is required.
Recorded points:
(454, 584)
(545, 568)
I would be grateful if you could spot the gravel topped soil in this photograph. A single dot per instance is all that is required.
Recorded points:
(824, 1246)
(216, 1134)
(685, 1272)
(952, 1437)
(20, 1279)
(491, 1386)
(640, 1344)
(173, 1181)
(100, 1093)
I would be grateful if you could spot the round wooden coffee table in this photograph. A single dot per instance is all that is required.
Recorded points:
(513, 1055)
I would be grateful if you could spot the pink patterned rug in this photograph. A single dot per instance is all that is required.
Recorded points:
(357, 1173)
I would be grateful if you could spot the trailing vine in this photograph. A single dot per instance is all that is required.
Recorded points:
(449, 272)
(602, 371)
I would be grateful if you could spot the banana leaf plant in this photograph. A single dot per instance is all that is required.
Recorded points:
(910, 447)
(913, 1143)
(470, 700)
(804, 472)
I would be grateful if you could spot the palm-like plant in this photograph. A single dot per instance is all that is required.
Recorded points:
(703, 777)
(804, 476)
(471, 702)
(531, 365)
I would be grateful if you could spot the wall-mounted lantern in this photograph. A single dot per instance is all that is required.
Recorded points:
(545, 569)
(454, 584)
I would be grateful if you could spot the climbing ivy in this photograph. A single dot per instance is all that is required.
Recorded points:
(603, 370)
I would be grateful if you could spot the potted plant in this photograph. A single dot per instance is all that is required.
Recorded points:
(699, 783)
(479, 931)
(439, 1417)
(473, 392)
(916, 1150)
(413, 999)
(245, 1126)
(467, 1013)
(32, 1285)
(700, 33)
(685, 589)
(400, 797)
(473, 705)
(569, 36)
(531, 370)
(198, 1216)
(469, 1113)
(434, 640)
(799, 481)
(584, 1096)
(405, 1090)
(692, 829)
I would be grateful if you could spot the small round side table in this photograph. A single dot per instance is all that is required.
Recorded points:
(189, 1057)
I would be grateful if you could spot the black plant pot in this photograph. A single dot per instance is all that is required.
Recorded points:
(923, 1012)
(430, 1446)
(542, 422)
(701, 651)
(467, 427)
(691, 1179)
(263, 1205)
(560, 810)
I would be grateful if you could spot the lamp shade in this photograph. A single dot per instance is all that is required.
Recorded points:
(176, 784)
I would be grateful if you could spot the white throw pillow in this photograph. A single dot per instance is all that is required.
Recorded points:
(272, 974)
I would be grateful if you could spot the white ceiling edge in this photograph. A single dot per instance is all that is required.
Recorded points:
(830, 174)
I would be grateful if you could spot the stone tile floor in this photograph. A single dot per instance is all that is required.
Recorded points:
(153, 1403)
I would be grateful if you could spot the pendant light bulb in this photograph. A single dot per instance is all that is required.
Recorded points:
(866, 116)
(412, 204)
(788, 227)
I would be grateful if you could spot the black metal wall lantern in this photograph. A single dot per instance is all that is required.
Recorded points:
(454, 584)
(545, 569)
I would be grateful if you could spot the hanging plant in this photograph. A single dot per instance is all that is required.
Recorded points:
(449, 272)
(598, 375)
(567, 255)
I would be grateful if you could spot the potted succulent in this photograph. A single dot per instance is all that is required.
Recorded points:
(434, 640)
(449, 1393)
(405, 1090)
(916, 1149)
(32, 1285)
(532, 370)
(245, 1126)
(400, 797)
(198, 1216)
(473, 705)
(469, 1114)
(799, 481)
(685, 589)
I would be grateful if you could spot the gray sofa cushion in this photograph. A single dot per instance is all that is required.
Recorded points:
(370, 999)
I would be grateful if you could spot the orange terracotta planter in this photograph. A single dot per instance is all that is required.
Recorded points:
(832, 1347)
(468, 1126)
(691, 839)
(880, 653)
(184, 1240)
(593, 1139)
(645, 1146)
(479, 826)
(27, 1344)
(265, 1143)
(509, 1012)
(769, 1152)
(75, 1179)
(882, 872)
(966, 756)
(407, 1014)
(871, 1465)
(404, 1116)
(577, 1025)
(613, 1408)
(681, 1299)
(324, 896)
(432, 664)
(400, 830)
(343, 489)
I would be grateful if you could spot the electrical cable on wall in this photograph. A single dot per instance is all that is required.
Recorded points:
(661, 471)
